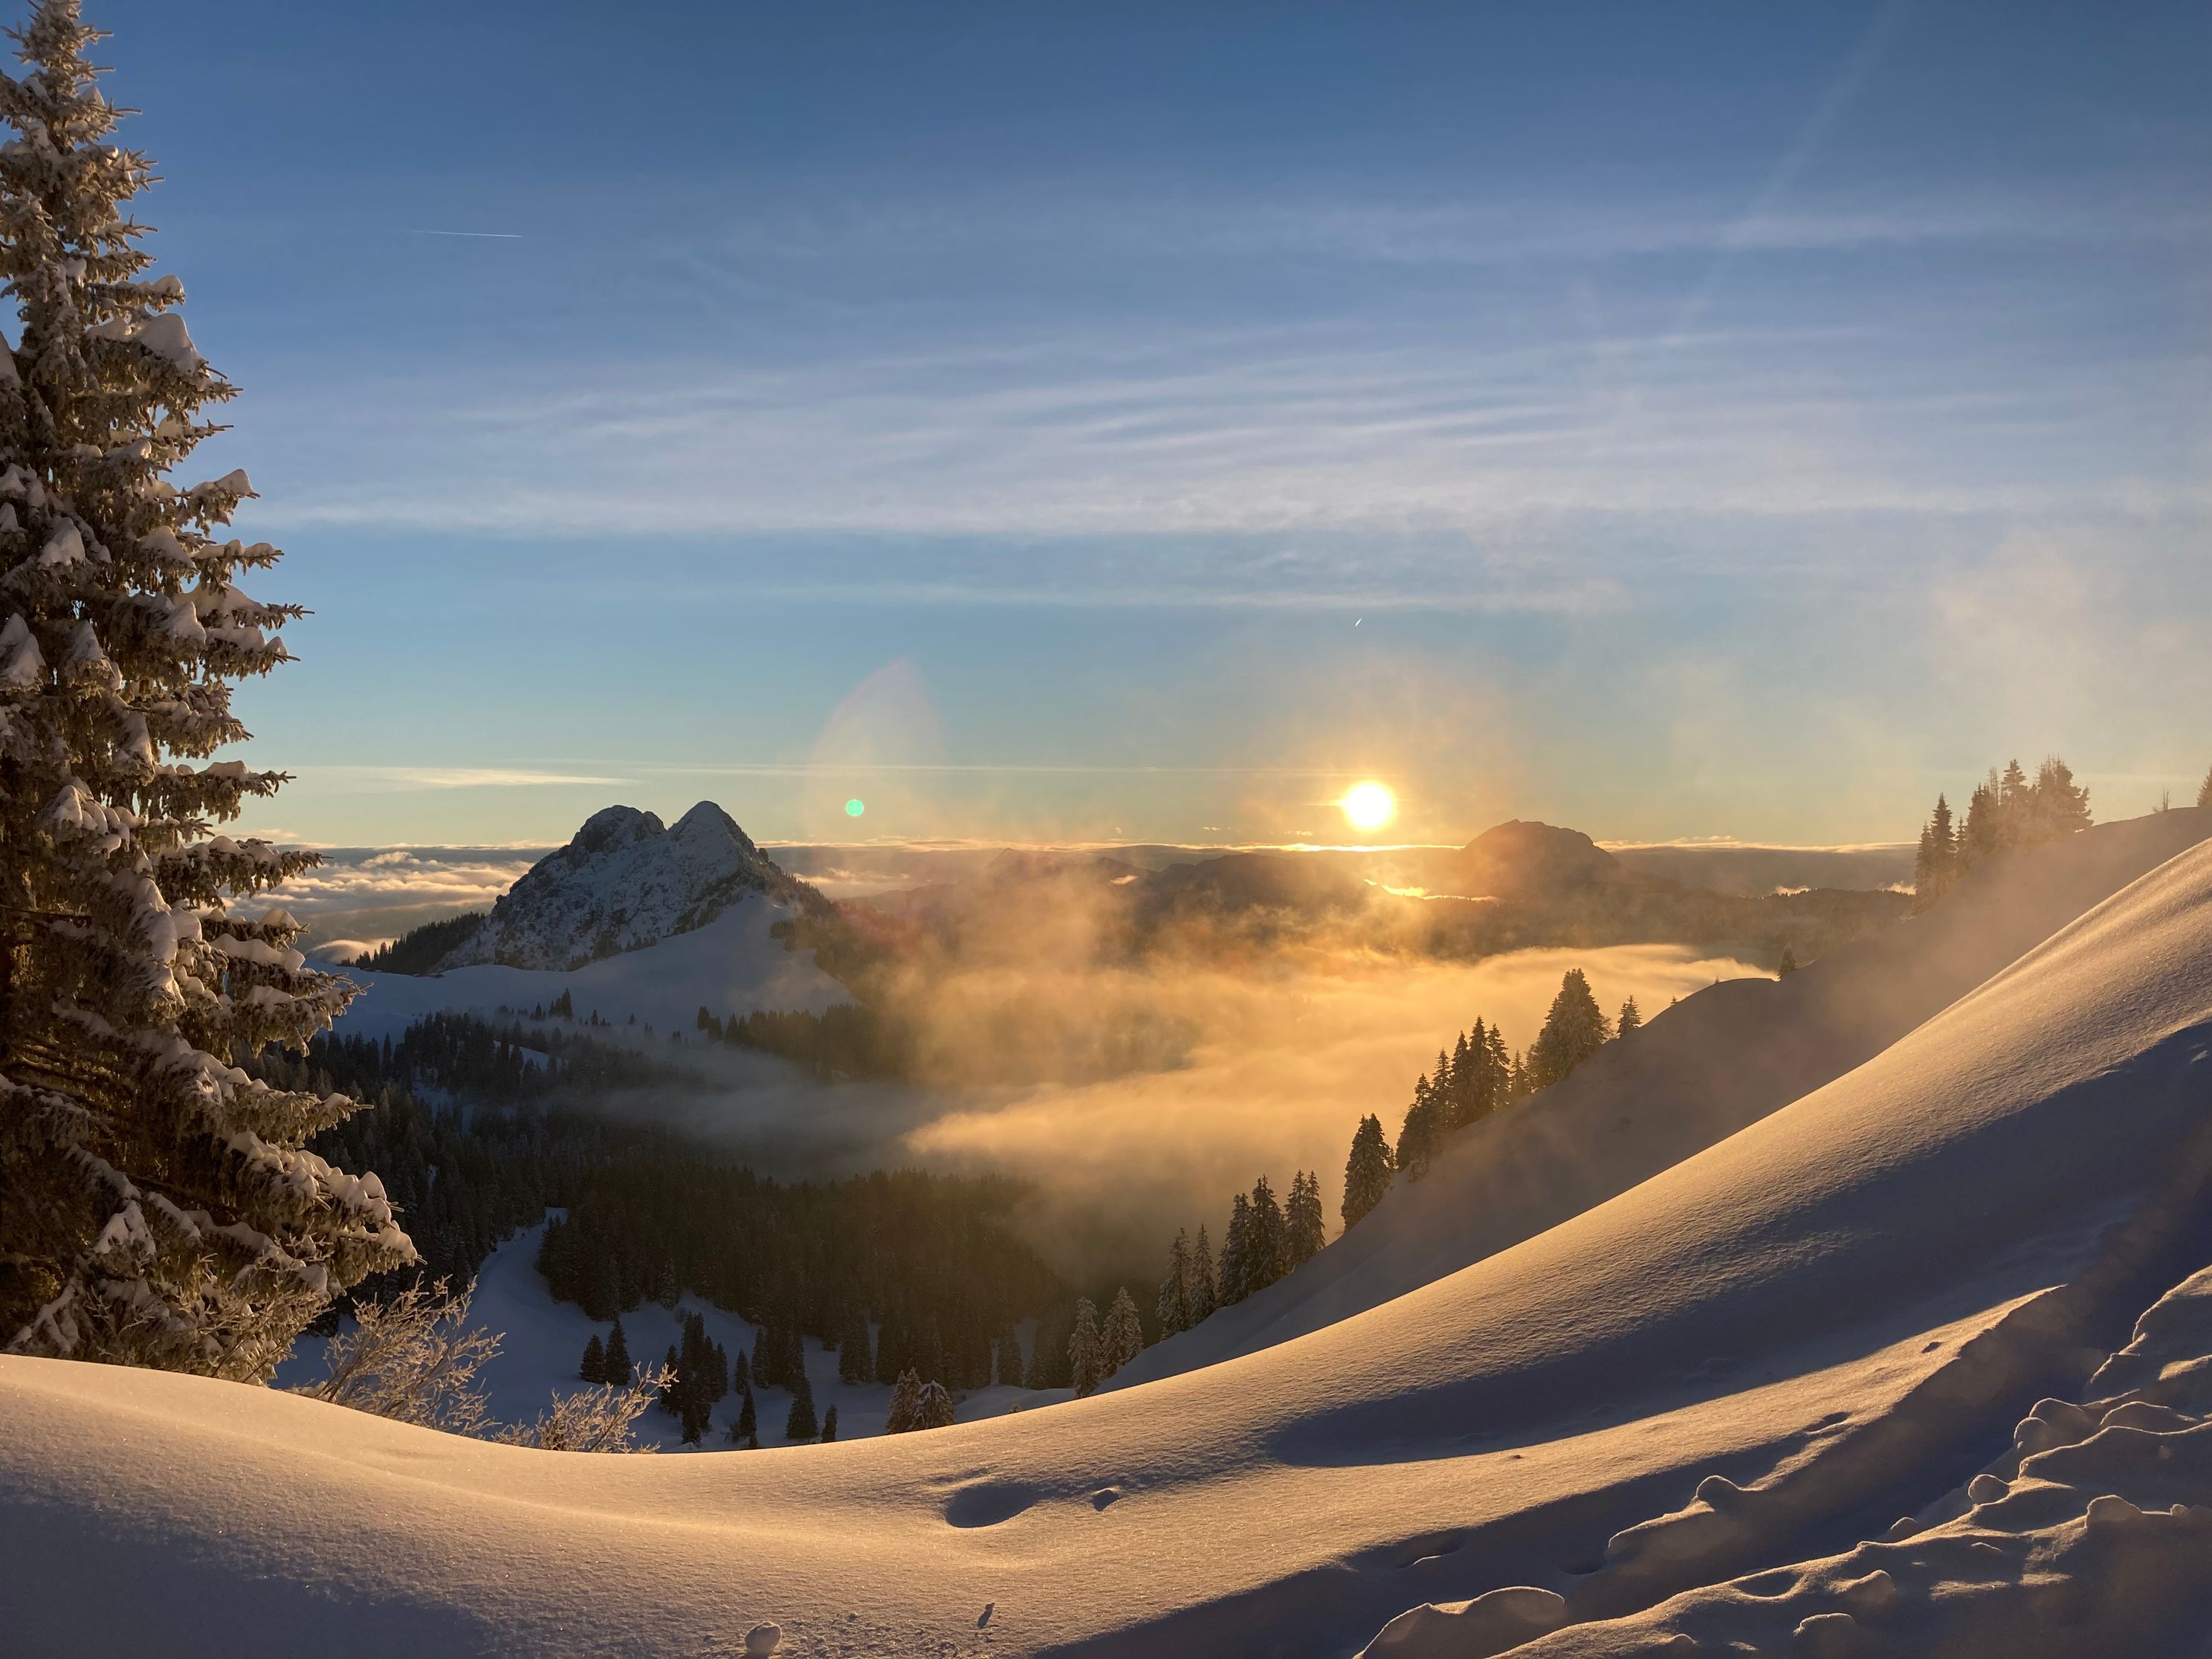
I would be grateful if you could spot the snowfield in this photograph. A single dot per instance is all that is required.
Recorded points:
(1758, 1393)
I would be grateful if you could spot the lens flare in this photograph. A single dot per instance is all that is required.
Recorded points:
(1368, 805)
(854, 807)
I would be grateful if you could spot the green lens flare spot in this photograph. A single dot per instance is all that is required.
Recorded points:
(854, 807)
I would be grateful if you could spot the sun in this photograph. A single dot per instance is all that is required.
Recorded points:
(1368, 805)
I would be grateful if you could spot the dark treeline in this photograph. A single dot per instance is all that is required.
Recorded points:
(468, 1058)
(2008, 810)
(933, 1259)
(1263, 1241)
(420, 948)
(1475, 1078)
(1808, 925)
(849, 1040)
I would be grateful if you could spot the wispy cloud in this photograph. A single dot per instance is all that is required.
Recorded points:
(1203, 436)
(454, 777)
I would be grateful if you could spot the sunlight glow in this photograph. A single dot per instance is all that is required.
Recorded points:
(1368, 805)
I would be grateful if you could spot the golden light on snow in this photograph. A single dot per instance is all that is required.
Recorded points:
(1368, 805)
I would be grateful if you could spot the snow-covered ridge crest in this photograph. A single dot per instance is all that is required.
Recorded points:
(626, 881)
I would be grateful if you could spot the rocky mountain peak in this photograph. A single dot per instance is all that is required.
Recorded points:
(625, 881)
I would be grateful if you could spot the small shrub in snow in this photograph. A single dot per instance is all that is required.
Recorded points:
(414, 1359)
(590, 1420)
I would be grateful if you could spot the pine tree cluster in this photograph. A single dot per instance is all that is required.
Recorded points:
(1478, 1077)
(2008, 810)
(698, 1377)
(1264, 1241)
(1475, 1078)
(158, 1204)
(610, 1363)
(916, 1404)
(850, 1039)
(1574, 1028)
(652, 1214)
(934, 1257)
(420, 949)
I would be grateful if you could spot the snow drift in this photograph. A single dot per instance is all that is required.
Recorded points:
(1757, 1357)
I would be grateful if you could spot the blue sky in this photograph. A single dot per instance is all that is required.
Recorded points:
(1040, 422)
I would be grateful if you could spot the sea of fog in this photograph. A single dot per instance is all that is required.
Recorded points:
(1276, 1062)
(1165, 1085)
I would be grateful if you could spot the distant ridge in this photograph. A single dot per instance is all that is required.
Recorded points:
(1523, 859)
(623, 882)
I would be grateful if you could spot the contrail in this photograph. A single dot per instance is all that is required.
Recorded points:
(495, 236)
(1881, 33)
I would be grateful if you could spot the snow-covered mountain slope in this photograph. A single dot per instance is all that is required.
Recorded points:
(1754, 1358)
(625, 882)
(731, 965)
(1697, 1073)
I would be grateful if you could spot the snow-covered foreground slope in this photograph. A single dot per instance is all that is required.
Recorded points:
(1698, 1072)
(729, 966)
(1757, 1357)
(2092, 1534)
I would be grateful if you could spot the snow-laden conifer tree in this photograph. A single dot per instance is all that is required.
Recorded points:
(1086, 1349)
(932, 1406)
(1575, 1029)
(1174, 1289)
(1366, 1171)
(745, 1432)
(1306, 1229)
(1204, 1289)
(1266, 1242)
(1936, 865)
(1235, 1252)
(906, 1399)
(800, 1424)
(1123, 1338)
(158, 1204)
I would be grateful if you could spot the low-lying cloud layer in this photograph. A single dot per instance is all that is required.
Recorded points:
(359, 897)
(1281, 1064)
